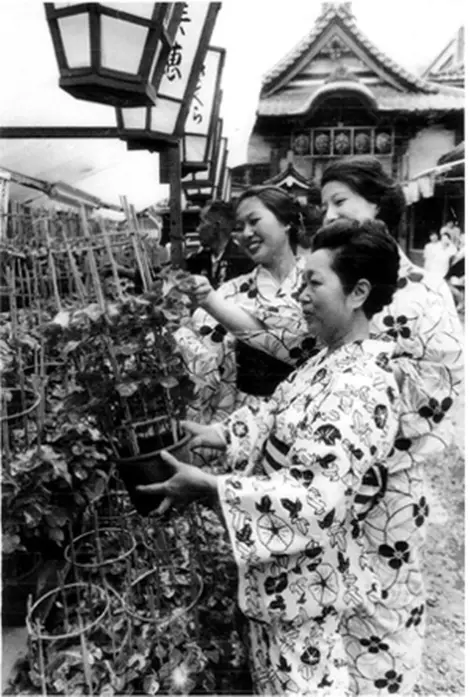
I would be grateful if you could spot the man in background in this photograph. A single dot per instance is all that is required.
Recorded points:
(220, 258)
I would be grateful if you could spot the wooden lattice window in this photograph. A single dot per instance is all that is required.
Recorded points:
(338, 141)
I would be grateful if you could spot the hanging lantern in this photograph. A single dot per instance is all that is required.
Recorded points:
(201, 124)
(113, 53)
(153, 127)
(204, 180)
(209, 184)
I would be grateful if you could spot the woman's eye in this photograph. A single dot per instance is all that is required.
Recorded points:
(339, 201)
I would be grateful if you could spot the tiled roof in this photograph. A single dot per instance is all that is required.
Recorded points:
(456, 72)
(294, 102)
(290, 171)
(343, 13)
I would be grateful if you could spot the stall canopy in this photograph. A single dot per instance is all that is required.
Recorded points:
(31, 99)
(450, 169)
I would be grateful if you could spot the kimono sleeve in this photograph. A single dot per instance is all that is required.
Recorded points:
(306, 499)
(428, 365)
(284, 333)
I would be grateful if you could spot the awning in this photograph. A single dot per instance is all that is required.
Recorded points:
(423, 185)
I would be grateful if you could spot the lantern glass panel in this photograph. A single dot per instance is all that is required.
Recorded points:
(183, 51)
(195, 148)
(141, 9)
(75, 32)
(134, 118)
(164, 116)
(121, 44)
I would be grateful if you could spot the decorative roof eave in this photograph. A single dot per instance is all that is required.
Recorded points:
(341, 87)
(295, 103)
(290, 177)
(275, 75)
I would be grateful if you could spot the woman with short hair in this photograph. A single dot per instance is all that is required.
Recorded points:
(423, 330)
(317, 466)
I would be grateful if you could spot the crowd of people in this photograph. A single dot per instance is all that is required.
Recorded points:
(444, 257)
(325, 380)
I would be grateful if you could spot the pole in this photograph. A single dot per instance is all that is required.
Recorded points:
(176, 218)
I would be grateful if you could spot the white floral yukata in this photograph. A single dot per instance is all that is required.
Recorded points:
(328, 537)
(317, 451)
(209, 349)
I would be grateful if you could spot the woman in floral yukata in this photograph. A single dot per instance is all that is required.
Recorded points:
(306, 473)
(247, 336)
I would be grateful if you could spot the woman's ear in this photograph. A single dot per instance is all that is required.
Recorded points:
(360, 292)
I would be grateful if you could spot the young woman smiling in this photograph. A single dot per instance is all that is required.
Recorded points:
(249, 334)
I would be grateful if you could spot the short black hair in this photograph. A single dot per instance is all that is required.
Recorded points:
(223, 209)
(365, 175)
(362, 250)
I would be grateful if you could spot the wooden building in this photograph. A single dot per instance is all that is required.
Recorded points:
(335, 94)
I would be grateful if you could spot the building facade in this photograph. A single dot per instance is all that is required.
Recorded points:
(336, 94)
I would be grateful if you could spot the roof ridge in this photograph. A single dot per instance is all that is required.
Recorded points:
(348, 18)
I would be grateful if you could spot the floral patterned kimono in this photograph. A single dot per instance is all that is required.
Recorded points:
(317, 455)
(211, 352)
(381, 638)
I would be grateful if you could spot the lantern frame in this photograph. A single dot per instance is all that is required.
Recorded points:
(149, 134)
(103, 84)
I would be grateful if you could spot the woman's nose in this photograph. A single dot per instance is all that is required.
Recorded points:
(330, 214)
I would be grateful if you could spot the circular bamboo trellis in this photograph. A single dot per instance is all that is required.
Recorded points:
(73, 549)
(36, 631)
(162, 622)
(5, 417)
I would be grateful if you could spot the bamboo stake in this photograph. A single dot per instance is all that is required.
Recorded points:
(52, 266)
(73, 266)
(141, 243)
(112, 260)
(92, 261)
(146, 281)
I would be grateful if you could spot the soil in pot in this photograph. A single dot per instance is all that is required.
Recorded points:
(148, 468)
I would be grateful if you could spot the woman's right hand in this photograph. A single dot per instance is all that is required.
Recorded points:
(204, 436)
(198, 288)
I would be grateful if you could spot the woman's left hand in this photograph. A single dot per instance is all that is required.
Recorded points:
(187, 483)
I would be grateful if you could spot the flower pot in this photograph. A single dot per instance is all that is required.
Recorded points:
(149, 468)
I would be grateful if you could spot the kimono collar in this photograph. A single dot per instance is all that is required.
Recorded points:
(375, 348)
(291, 280)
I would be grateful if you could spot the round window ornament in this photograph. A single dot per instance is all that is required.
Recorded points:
(322, 144)
(362, 143)
(301, 144)
(342, 144)
(383, 143)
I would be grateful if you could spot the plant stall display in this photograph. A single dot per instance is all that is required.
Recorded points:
(141, 604)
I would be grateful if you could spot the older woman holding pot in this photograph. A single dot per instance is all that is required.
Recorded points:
(249, 334)
(310, 577)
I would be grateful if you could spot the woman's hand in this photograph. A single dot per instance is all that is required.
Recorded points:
(199, 289)
(204, 436)
(187, 483)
